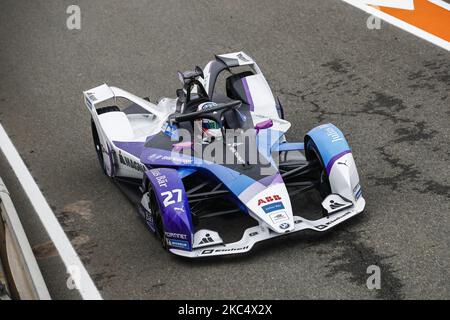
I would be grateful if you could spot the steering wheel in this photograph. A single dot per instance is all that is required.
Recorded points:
(214, 113)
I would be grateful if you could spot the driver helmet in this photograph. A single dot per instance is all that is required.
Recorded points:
(210, 129)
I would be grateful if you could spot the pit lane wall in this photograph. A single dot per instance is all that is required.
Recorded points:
(20, 276)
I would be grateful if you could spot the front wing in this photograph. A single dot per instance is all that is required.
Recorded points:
(260, 233)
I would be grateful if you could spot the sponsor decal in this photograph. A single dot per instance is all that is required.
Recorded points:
(179, 209)
(131, 163)
(284, 226)
(208, 105)
(320, 227)
(174, 235)
(279, 216)
(269, 199)
(207, 239)
(160, 178)
(171, 159)
(170, 130)
(154, 156)
(172, 197)
(88, 102)
(241, 57)
(210, 251)
(178, 243)
(90, 98)
(357, 191)
(333, 134)
(335, 205)
(273, 207)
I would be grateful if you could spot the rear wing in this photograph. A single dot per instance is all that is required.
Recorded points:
(97, 95)
(235, 59)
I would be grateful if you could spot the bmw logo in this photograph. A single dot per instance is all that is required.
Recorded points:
(284, 226)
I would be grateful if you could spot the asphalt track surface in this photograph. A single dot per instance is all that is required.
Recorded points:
(386, 89)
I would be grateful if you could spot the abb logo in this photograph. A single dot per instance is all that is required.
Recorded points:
(269, 199)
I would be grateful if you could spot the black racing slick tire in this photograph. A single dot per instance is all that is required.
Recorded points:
(156, 214)
(324, 187)
(98, 146)
(96, 138)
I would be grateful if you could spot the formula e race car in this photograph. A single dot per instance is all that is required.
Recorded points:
(215, 151)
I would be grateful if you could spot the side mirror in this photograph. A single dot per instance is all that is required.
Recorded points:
(181, 76)
(263, 125)
(199, 72)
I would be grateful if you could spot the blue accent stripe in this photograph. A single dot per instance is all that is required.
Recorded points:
(287, 146)
(273, 207)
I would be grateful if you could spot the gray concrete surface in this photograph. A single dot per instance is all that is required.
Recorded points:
(387, 90)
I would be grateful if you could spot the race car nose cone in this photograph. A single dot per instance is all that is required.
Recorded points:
(272, 206)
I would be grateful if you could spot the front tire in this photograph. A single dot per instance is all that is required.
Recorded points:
(157, 217)
(324, 187)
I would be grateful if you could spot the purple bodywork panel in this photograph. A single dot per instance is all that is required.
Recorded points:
(263, 125)
(133, 148)
(172, 200)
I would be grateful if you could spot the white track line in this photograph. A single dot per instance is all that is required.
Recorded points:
(400, 24)
(74, 266)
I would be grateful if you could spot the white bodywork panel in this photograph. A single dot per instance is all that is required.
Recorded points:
(242, 58)
(206, 238)
(263, 100)
(344, 177)
(277, 202)
(334, 203)
(116, 126)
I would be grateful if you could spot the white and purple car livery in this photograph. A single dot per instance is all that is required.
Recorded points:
(178, 179)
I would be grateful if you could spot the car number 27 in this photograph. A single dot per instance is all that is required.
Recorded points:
(171, 197)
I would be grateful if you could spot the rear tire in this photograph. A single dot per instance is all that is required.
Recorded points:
(96, 138)
(98, 146)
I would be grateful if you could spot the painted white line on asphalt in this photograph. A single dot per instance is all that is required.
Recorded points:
(75, 267)
(400, 24)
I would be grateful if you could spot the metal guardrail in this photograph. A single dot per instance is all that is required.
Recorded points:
(20, 276)
(83, 282)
